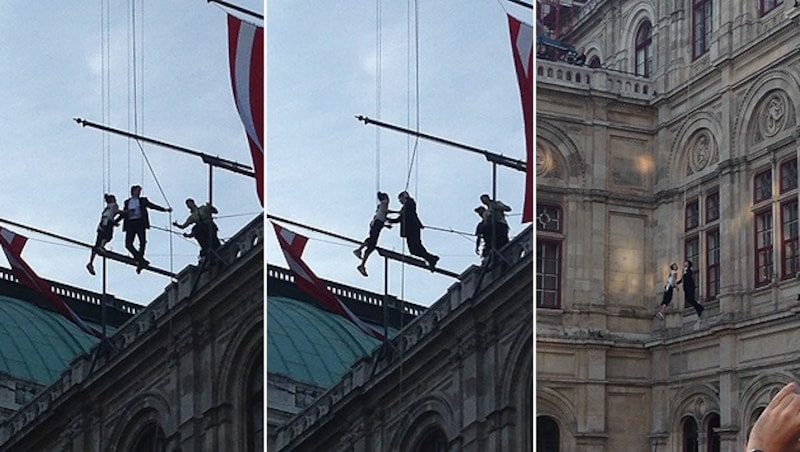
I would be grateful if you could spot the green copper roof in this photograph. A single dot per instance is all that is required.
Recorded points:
(36, 344)
(311, 345)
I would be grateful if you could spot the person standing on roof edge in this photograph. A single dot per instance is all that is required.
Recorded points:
(411, 228)
(495, 220)
(375, 227)
(136, 223)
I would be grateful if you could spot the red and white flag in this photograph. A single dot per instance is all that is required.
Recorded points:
(522, 47)
(12, 245)
(292, 246)
(246, 59)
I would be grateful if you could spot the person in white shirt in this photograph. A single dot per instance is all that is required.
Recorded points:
(136, 223)
(668, 288)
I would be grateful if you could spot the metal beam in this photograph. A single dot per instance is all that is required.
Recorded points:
(219, 162)
(493, 157)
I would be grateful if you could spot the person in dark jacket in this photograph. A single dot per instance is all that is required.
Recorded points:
(136, 223)
(689, 288)
(411, 229)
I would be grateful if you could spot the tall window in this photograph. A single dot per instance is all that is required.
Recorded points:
(689, 434)
(763, 247)
(701, 31)
(789, 238)
(702, 242)
(548, 256)
(788, 175)
(692, 252)
(765, 6)
(712, 435)
(547, 434)
(712, 264)
(644, 49)
(692, 215)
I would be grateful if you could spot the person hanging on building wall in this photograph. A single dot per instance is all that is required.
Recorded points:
(204, 229)
(136, 223)
(689, 287)
(482, 233)
(105, 230)
(495, 218)
(375, 227)
(411, 228)
(778, 426)
(668, 288)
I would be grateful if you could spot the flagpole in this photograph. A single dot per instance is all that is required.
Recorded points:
(105, 253)
(237, 8)
(382, 251)
(229, 165)
(500, 159)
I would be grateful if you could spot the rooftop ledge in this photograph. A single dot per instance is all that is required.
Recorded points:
(375, 366)
(601, 80)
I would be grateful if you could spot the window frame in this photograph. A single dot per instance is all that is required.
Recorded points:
(762, 180)
(764, 9)
(541, 288)
(789, 260)
(702, 15)
(788, 173)
(767, 250)
(643, 49)
(712, 264)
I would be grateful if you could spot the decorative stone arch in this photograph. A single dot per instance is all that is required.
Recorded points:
(696, 148)
(758, 394)
(696, 401)
(432, 411)
(560, 409)
(557, 156)
(594, 48)
(755, 104)
(141, 411)
(639, 12)
(517, 385)
(242, 353)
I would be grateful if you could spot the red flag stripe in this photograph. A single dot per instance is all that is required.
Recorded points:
(246, 60)
(12, 245)
(292, 246)
(522, 47)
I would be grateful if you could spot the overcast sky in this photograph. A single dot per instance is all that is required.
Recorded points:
(55, 172)
(324, 66)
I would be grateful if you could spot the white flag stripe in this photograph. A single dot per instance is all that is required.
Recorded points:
(244, 51)
(525, 47)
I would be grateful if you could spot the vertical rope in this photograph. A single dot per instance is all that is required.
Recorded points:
(378, 68)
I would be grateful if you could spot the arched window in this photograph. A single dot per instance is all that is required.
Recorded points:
(712, 436)
(547, 434)
(689, 434)
(255, 405)
(644, 49)
(594, 62)
(151, 438)
(434, 440)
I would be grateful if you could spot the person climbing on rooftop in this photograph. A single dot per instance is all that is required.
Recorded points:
(204, 229)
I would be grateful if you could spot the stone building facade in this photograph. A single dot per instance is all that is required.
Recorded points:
(459, 377)
(183, 374)
(683, 145)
